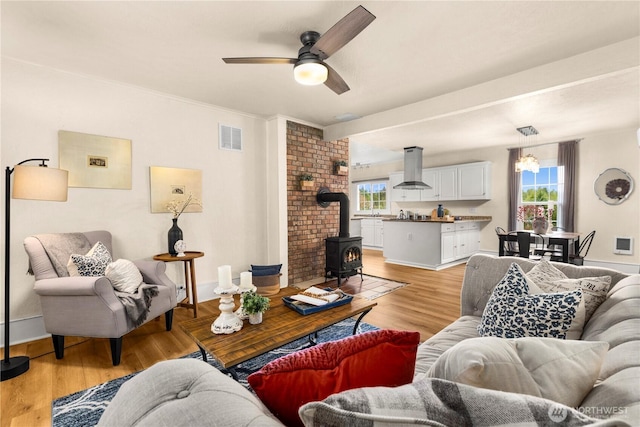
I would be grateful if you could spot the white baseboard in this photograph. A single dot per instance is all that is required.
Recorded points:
(25, 330)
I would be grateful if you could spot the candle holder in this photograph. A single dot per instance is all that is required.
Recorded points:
(227, 322)
(240, 311)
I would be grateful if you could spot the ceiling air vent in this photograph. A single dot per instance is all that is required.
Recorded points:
(230, 138)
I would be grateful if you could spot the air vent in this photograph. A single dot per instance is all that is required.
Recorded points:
(230, 138)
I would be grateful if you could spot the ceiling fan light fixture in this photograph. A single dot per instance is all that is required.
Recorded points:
(310, 73)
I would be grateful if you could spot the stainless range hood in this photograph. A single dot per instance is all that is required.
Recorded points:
(412, 170)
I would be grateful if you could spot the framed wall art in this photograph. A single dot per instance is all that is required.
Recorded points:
(174, 184)
(95, 161)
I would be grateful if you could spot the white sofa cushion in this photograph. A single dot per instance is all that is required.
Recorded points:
(561, 370)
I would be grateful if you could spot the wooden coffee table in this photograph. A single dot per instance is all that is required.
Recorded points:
(281, 325)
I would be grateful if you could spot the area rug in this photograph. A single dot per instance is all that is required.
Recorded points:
(85, 407)
(370, 287)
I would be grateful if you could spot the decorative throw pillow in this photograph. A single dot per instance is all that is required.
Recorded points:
(544, 271)
(548, 278)
(512, 313)
(384, 357)
(124, 276)
(563, 371)
(433, 401)
(92, 264)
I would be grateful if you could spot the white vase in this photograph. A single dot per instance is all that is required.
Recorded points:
(255, 318)
(540, 225)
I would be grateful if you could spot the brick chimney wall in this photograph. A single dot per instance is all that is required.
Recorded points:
(309, 223)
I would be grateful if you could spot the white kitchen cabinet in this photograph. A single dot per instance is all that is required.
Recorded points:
(443, 182)
(378, 235)
(400, 195)
(431, 245)
(372, 232)
(354, 227)
(459, 240)
(448, 189)
(474, 181)
(469, 181)
(366, 231)
(448, 245)
(430, 177)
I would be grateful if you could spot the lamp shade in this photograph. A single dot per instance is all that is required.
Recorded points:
(40, 183)
(310, 73)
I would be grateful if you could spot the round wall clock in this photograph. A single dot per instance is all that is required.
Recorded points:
(613, 186)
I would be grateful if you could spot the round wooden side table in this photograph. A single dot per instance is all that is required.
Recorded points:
(191, 301)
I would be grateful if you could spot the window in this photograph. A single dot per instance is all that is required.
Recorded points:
(541, 191)
(372, 197)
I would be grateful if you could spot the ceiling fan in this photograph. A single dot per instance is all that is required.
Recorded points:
(309, 67)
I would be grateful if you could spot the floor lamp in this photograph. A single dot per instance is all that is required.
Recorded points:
(33, 183)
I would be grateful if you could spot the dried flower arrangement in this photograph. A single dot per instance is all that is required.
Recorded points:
(529, 212)
(176, 207)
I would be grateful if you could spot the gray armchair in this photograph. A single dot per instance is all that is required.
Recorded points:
(89, 306)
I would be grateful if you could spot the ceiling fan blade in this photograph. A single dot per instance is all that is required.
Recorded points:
(335, 82)
(260, 60)
(342, 32)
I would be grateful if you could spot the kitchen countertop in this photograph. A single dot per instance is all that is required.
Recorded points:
(464, 218)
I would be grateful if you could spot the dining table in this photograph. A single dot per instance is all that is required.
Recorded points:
(561, 238)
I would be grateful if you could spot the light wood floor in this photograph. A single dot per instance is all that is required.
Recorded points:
(429, 303)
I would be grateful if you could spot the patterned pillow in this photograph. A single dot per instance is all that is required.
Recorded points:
(433, 401)
(93, 263)
(550, 279)
(512, 313)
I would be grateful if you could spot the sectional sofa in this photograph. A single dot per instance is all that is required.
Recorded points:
(460, 376)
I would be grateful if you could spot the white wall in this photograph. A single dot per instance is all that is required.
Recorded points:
(165, 131)
(596, 153)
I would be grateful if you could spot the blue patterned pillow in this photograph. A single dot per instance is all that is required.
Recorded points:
(92, 264)
(512, 313)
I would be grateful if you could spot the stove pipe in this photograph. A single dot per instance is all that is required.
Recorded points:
(324, 198)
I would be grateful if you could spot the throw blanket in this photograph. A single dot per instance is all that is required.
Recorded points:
(59, 248)
(436, 402)
(137, 305)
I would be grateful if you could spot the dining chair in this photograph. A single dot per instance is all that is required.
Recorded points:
(510, 247)
(578, 258)
(528, 243)
(551, 252)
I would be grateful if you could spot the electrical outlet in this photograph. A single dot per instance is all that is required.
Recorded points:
(409, 236)
(473, 210)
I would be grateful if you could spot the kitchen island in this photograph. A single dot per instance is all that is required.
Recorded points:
(431, 244)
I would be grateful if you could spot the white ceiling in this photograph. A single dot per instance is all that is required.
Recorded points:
(445, 75)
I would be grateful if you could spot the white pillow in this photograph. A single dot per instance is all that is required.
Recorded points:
(91, 264)
(563, 371)
(124, 276)
(550, 279)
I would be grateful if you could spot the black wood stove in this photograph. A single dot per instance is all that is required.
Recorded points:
(343, 253)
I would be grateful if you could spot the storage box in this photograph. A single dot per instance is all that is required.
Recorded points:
(267, 285)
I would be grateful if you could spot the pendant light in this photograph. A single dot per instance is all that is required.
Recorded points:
(528, 162)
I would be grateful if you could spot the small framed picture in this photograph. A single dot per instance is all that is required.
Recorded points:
(174, 184)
